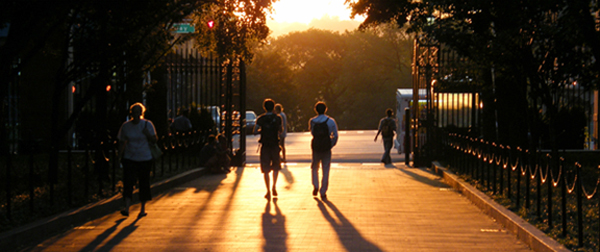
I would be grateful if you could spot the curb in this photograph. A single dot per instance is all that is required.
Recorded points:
(526, 233)
(42, 229)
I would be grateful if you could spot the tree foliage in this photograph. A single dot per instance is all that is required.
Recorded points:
(526, 50)
(116, 43)
(530, 54)
(239, 26)
(98, 45)
(355, 73)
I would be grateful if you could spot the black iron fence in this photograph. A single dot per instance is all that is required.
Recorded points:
(557, 194)
(28, 195)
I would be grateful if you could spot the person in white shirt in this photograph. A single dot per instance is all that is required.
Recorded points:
(135, 136)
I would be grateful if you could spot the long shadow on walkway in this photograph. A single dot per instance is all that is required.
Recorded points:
(438, 182)
(119, 237)
(347, 233)
(273, 227)
(100, 238)
(211, 183)
(287, 174)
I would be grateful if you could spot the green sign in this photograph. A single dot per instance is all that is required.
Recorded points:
(184, 28)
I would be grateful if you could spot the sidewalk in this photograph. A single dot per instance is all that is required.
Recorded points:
(370, 208)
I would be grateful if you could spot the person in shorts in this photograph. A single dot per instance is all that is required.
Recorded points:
(269, 126)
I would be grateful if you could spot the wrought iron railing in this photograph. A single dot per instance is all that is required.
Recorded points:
(28, 194)
(524, 177)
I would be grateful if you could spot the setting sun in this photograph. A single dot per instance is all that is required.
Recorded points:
(299, 15)
(304, 11)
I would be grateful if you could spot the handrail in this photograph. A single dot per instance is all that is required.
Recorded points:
(530, 165)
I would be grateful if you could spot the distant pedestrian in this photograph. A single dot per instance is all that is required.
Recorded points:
(387, 127)
(135, 137)
(279, 111)
(268, 125)
(325, 135)
(181, 123)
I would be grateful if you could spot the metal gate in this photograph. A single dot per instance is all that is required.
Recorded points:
(210, 82)
(424, 70)
(445, 98)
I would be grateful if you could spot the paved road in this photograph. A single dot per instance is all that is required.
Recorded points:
(370, 208)
(353, 146)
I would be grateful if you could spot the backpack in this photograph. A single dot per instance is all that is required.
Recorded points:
(269, 133)
(386, 129)
(321, 138)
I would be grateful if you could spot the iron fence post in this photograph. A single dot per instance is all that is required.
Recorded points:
(518, 170)
(69, 184)
(579, 193)
(509, 173)
(527, 178)
(8, 185)
(31, 186)
(86, 172)
(501, 168)
(563, 182)
(495, 167)
(538, 168)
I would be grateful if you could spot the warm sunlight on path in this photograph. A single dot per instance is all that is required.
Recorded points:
(370, 208)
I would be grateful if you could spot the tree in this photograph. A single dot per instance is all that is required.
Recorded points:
(526, 50)
(355, 73)
(109, 44)
(236, 26)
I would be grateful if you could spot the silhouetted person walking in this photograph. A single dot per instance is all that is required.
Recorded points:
(325, 135)
(135, 137)
(279, 111)
(387, 127)
(268, 125)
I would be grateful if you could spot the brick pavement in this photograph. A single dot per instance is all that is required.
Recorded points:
(370, 208)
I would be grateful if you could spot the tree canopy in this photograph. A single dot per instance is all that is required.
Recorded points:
(528, 52)
(115, 42)
(96, 46)
(355, 73)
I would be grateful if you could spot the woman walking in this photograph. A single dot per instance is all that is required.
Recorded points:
(135, 137)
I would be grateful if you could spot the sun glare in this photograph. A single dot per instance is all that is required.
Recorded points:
(304, 11)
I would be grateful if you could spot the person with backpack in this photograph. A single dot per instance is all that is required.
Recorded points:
(325, 135)
(387, 127)
(269, 126)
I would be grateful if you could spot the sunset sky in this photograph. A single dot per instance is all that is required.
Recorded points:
(298, 15)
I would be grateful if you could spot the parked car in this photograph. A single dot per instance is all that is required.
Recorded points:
(235, 121)
(250, 121)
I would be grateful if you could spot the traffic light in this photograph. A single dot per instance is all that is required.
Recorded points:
(210, 24)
